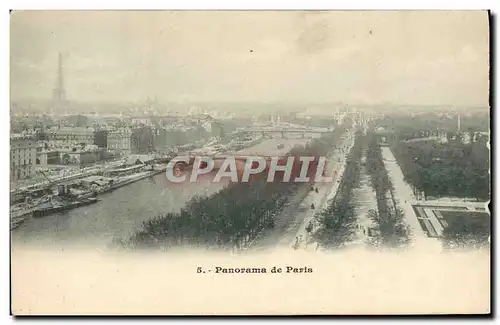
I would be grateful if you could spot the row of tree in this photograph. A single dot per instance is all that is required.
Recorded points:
(230, 218)
(455, 169)
(389, 219)
(473, 121)
(338, 221)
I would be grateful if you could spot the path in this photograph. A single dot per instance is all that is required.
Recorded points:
(404, 198)
(294, 218)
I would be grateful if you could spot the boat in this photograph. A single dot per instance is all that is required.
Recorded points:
(160, 167)
(20, 213)
(88, 194)
(61, 206)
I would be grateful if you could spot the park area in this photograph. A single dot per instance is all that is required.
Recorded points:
(455, 225)
(445, 169)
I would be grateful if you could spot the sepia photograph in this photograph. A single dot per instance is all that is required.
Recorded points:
(305, 162)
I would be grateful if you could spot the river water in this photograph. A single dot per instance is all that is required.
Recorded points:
(121, 212)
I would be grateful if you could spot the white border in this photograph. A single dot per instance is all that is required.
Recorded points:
(258, 4)
(186, 4)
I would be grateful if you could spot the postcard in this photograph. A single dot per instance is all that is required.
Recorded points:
(250, 162)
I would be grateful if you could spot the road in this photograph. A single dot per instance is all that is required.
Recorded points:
(293, 220)
(326, 194)
(404, 198)
(365, 200)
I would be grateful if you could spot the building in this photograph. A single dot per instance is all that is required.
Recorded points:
(443, 136)
(22, 156)
(142, 140)
(466, 138)
(167, 137)
(76, 156)
(207, 125)
(120, 140)
(482, 137)
(217, 130)
(78, 120)
(101, 138)
(48, 157)
(71, 135)
(138, 121)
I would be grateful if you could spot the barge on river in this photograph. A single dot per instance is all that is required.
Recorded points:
(54, 207)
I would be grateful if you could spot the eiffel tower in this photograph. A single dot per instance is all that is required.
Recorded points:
(59, 102)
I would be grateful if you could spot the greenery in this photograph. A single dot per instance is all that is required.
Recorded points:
(389, 219)
(229, 218)
(452, 169)
(436, 169)
(392, 231)
(66, 159)
(466, 230)
(338, 220)
(408, 123)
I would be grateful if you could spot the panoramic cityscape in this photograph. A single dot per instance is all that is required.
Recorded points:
(250, 162)
(99, 178)
(93, 173)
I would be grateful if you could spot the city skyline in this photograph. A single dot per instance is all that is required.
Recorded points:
(348, 57)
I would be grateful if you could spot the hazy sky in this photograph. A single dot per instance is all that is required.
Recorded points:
(353, 57)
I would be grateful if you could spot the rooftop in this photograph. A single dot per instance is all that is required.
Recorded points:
(20, 136)
(74, 130)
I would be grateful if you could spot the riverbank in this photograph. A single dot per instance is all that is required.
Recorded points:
(20, 214)
(120, 211)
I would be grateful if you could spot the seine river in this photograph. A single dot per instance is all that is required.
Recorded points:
(121, 212)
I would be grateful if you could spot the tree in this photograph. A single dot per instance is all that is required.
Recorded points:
(466, 232)
(338, 221)
(452, 169)
(389, 219)
(229, 218)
